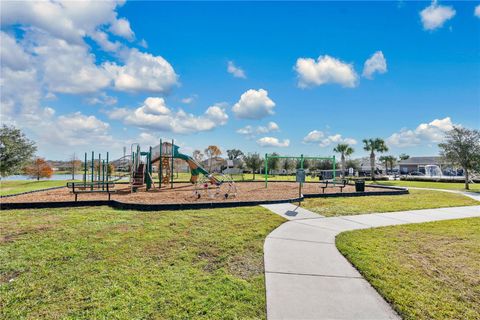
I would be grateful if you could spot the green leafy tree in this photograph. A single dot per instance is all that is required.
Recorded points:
(288, 164)
(391, 160)
(273, 163)
(307, 164)
(324, 165)
(388, 161)
(403, 156)
(461, 147)
(354, 164)
(234, 154)
(16, 150)
(254, 162)
(345, 150)
(374, 145)
(384, 160)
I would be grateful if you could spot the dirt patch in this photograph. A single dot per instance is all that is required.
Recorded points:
(9, 276)
(245, 266)
(184, 193)
(14, 236)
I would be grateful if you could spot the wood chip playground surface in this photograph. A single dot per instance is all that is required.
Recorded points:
(185, 193)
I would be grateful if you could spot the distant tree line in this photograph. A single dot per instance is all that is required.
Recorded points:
(460, 147)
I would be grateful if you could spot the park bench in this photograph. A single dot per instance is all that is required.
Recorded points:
(334, 184)
(91, 187)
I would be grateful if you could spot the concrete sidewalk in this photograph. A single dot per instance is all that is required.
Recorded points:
(308, 278)
(473, 195)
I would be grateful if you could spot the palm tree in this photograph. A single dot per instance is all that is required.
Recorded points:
(391, 161)
(384, 159)
(374, 145)
(345, 150)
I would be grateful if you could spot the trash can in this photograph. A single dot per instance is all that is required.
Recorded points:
(360, 185)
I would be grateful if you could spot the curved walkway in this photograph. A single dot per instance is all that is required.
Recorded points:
(308, 278)
(473, 195)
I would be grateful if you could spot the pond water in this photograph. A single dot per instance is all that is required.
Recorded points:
(22, 177)
(53, 177)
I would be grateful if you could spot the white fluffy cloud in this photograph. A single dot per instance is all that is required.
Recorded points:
(12, 54)
(325, 140)
(77, 129)
(376, 63)
(55, 133)
(325, 70)
(51, 55)
(156, 115)
(273, 142)
(68, 20)
(121, 28)
(143, 72)
(313, 136)
(254, 104)
(432, 132)
(336, 139)
(101, 38)
(237, 72)
(20, 92)
(102, 99)
(476, 11)
(435, 15)
(66, 67)
(188, 100)
(251, 131)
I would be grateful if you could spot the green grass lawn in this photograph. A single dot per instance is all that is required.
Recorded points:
(417, 199)
(426, 271)
(474, 187)
(101, 263)
(17, 186)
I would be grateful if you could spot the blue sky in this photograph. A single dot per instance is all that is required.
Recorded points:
(284, 77)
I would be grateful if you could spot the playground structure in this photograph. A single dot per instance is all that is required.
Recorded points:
(206, 184)
(100, 181)
(301, 159)
(139, 167)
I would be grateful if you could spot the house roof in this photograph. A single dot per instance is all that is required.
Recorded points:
(421, 160)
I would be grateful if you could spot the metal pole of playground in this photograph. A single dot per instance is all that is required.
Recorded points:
(160, 167)
(149, 168)
(301, 166)
(107, 166)
(132, 170)
(93, 157)
(85, 171)
(99, 164)
(171, 170)
(103, 174)
(266, 170)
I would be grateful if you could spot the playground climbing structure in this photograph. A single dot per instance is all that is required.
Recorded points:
(162, 157)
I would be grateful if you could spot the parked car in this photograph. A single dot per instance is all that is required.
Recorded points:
(416, 173)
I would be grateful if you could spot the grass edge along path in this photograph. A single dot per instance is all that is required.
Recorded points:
(426, 271)
(415, 200)
(459, 186)
(98, 262)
